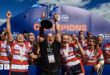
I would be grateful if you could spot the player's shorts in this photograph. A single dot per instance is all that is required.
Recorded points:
(76, 69)
(18, 73)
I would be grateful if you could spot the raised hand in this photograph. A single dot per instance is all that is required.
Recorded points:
(56, 17)
(97, 67)
(43, 15)
(8, 14)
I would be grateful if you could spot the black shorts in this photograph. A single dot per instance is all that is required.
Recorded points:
(50, 72)
(18, 73)
(75, 70)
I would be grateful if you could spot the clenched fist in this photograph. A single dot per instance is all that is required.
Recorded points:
(8, 14)
(43, 15)
(56, 17)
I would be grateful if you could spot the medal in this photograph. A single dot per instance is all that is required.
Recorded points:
(22, 53)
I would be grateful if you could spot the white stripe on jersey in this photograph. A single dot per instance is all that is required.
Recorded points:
(17, 47)
(3, 45)
(18, 57)
(107, 49)
(4, 62)
(73, 63)
(71, 57)
(3, 54)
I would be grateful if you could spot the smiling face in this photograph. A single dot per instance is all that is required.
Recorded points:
(82, 37)
(100, 39)
(91, 42)
(89, 34)
(81, 33)
(4, 36)
(65, 39)
(20, 38)
(31, 36)
(74, 36)
(50, 38)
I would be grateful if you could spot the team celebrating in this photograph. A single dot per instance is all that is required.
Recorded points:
(56, 54)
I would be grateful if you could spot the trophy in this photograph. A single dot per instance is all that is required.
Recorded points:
(46, 22)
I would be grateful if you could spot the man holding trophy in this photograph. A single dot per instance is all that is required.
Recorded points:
(50, 47)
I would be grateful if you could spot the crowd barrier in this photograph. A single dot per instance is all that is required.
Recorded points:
(35, 70)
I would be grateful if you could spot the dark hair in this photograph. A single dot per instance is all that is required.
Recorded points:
(100, 36)
(3, 33)
(95, 46)
(88, 33)
(80, 31)
(94, 37)
(63, 35)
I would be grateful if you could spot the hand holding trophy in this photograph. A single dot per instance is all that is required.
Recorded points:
(45, 23)
(56, 17)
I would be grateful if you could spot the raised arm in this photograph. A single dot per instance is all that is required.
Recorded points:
(41, 30)
(33, 56)
(57, 27)
(80, 47)
(41, 34)
(8, 26)
(36, 54)
(100, 63)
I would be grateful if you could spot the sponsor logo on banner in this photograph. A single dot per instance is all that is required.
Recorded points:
(64, 17)
(107, 36)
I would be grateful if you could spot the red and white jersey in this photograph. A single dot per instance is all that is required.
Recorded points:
(20, 57)
(107, 53)
(28, 44)
(68, 56)
(83, 43)
(76, 50)
(4, 52)
(90, 58)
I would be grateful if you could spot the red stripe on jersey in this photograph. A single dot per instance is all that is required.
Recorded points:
(3, 50)
(72, 60)
(68, 55)
(17, 52)
(91, 58)
(82, 68)
(18, 62)
(5, 58)
(90, 63)
(71, 53)
(19, 70)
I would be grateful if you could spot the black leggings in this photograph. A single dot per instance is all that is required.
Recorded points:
(50, 72)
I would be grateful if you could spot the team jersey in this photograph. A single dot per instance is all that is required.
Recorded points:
(83, 43)
(68, 56)
(20, 57)
(4, 52)
(107, 53)
(28, 44)
(91, 58)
